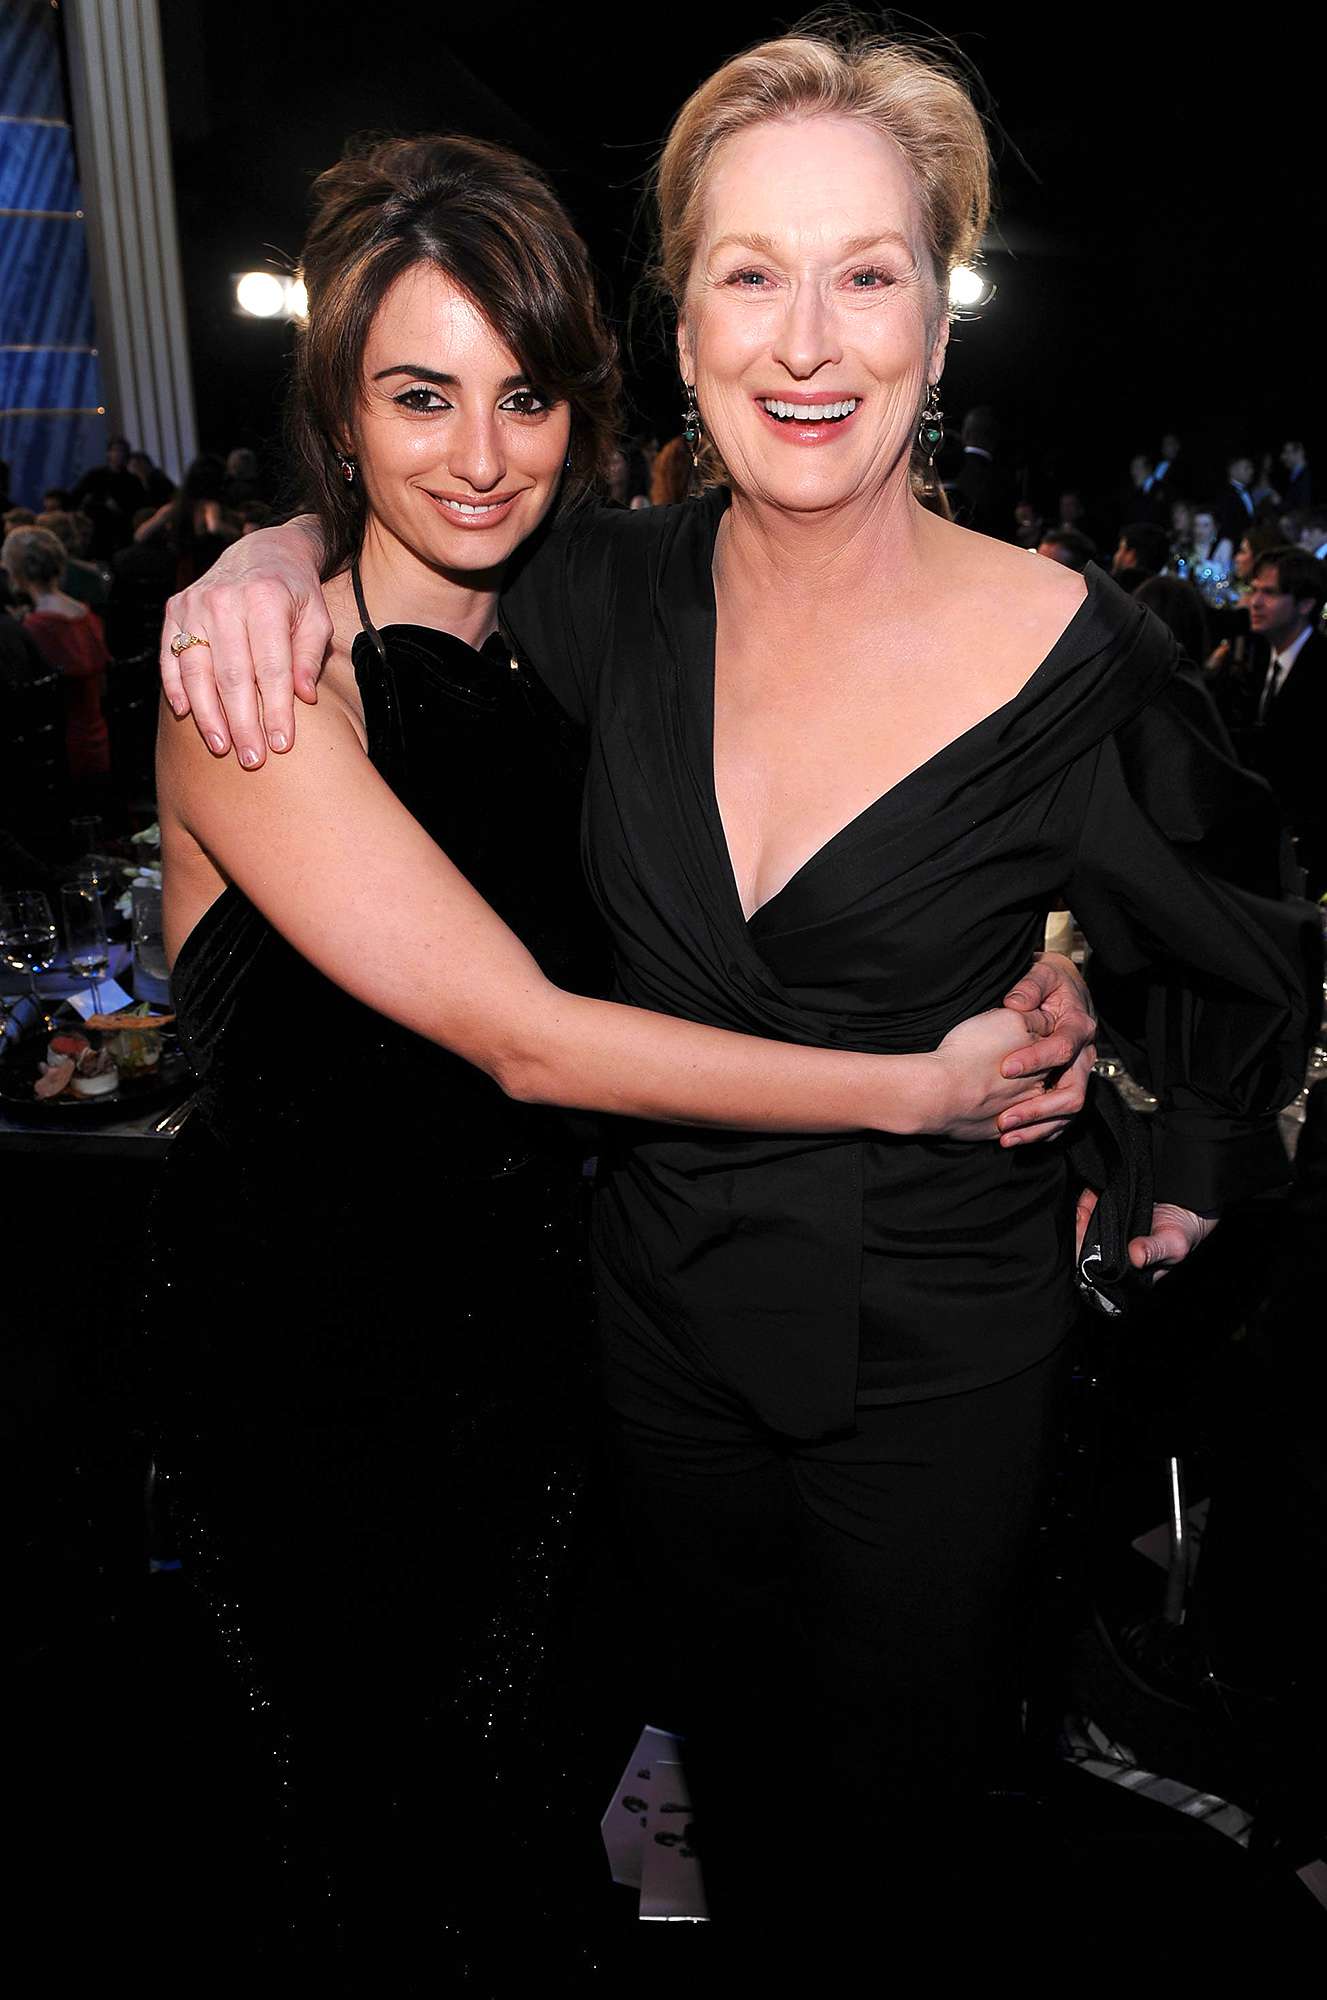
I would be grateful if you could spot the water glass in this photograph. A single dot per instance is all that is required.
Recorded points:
(28, 937)
(151, 972)
(85, 933)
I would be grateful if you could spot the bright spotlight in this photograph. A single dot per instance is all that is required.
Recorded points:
(261, 294)
(297, 299)
(967, 287)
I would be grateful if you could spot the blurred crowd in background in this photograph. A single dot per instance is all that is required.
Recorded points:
(1231, 555)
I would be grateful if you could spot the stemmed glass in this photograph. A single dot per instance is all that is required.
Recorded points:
(28, 938)
(85, 934)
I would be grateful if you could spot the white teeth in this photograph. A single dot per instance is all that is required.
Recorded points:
(811, 413)
(464, 507)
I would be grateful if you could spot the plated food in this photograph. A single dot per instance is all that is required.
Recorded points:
(110, 1061)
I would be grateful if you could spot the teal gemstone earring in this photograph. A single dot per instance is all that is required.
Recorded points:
(691, 425)
(931, 428)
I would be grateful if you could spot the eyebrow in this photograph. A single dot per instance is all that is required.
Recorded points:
(421, 374)
(851, 246)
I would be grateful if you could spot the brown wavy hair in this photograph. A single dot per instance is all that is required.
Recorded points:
(492, 224)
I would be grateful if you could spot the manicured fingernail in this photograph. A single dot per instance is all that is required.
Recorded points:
(278, 739)
(1013, 1069)
(218, 742)
(249, 759)
(178, 708)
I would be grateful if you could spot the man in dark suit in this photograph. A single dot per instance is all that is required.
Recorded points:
(983, 494)
(1171, 471)
(1287, 741)
(1297, 486)
(1236, 510)
(1143, 551)
(1143, 497)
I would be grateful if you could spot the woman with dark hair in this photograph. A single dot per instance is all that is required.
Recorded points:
(845, 754)
(195, 522)
(1180, 608)
(372, 1407)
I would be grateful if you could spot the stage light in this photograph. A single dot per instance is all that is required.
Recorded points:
(261, 294)
(297, 299)
(967, 288)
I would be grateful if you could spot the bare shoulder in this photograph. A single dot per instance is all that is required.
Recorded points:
(190, 777)
(997, 588)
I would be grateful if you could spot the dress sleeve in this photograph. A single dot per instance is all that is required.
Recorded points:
(557, 602)
(1205, 966)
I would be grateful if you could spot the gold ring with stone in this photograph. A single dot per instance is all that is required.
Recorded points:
(183, 640)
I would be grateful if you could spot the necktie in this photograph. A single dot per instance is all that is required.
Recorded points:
(1270, 686)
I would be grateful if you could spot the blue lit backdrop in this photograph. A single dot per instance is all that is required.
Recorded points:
(52, 425)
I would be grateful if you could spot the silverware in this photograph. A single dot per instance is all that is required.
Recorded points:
(170, 1122)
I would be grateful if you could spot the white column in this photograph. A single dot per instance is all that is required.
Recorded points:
(119, 102)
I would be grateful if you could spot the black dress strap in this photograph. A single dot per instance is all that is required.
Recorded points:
(369, 627)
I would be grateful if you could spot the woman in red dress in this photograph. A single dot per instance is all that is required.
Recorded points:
(71, 638)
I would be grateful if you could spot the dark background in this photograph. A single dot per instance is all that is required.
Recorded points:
(1156, 246)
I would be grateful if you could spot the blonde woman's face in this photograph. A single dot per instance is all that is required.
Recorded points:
(813, 319)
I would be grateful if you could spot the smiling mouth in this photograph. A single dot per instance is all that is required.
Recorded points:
(786, 412)
(473, 513)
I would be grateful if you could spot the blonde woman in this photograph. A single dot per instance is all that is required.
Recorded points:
(844, 756)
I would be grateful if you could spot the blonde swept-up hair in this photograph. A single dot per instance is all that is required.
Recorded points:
(834, 65)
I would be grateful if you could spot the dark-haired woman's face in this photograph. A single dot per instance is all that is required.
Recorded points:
(460, 455)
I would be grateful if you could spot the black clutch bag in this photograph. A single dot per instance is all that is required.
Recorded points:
(1111, 1151)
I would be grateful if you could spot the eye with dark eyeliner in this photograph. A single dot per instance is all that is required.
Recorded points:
(424, 400)
(421, 401)
(528, 403)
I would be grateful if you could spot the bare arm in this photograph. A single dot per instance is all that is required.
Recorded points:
(332, 858)
(160, 521)
(261, 608)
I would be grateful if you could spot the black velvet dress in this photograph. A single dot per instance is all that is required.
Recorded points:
(371, 1372)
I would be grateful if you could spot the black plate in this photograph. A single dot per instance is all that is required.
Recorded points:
(20, 1068)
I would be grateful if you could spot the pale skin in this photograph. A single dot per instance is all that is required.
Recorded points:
(813, 529)
(446, 425)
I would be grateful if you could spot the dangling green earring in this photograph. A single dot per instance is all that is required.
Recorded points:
(931, 428)
(691, 425)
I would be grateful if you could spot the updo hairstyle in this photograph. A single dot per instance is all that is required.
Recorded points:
(491, 223)
(908, 94)
(842, 69)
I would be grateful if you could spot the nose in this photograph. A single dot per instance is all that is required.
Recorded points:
(807, 337)
(475, 450)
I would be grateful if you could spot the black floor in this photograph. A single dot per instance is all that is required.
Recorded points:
(126, 1779)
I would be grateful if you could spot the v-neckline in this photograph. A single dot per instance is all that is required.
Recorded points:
(891, 792)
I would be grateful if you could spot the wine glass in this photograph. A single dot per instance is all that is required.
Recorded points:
(85, 934)
(28, 938)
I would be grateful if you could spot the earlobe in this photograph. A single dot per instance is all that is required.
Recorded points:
(685, 359)
(939, 348)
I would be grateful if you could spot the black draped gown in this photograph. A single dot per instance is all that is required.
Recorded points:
(832, 1362)
(371, 1374)
(819, 1275)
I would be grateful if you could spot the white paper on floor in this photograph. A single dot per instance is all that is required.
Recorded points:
(647, 1829)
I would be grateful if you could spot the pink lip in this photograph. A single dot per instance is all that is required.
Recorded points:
(810, 435)
(501, 505)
